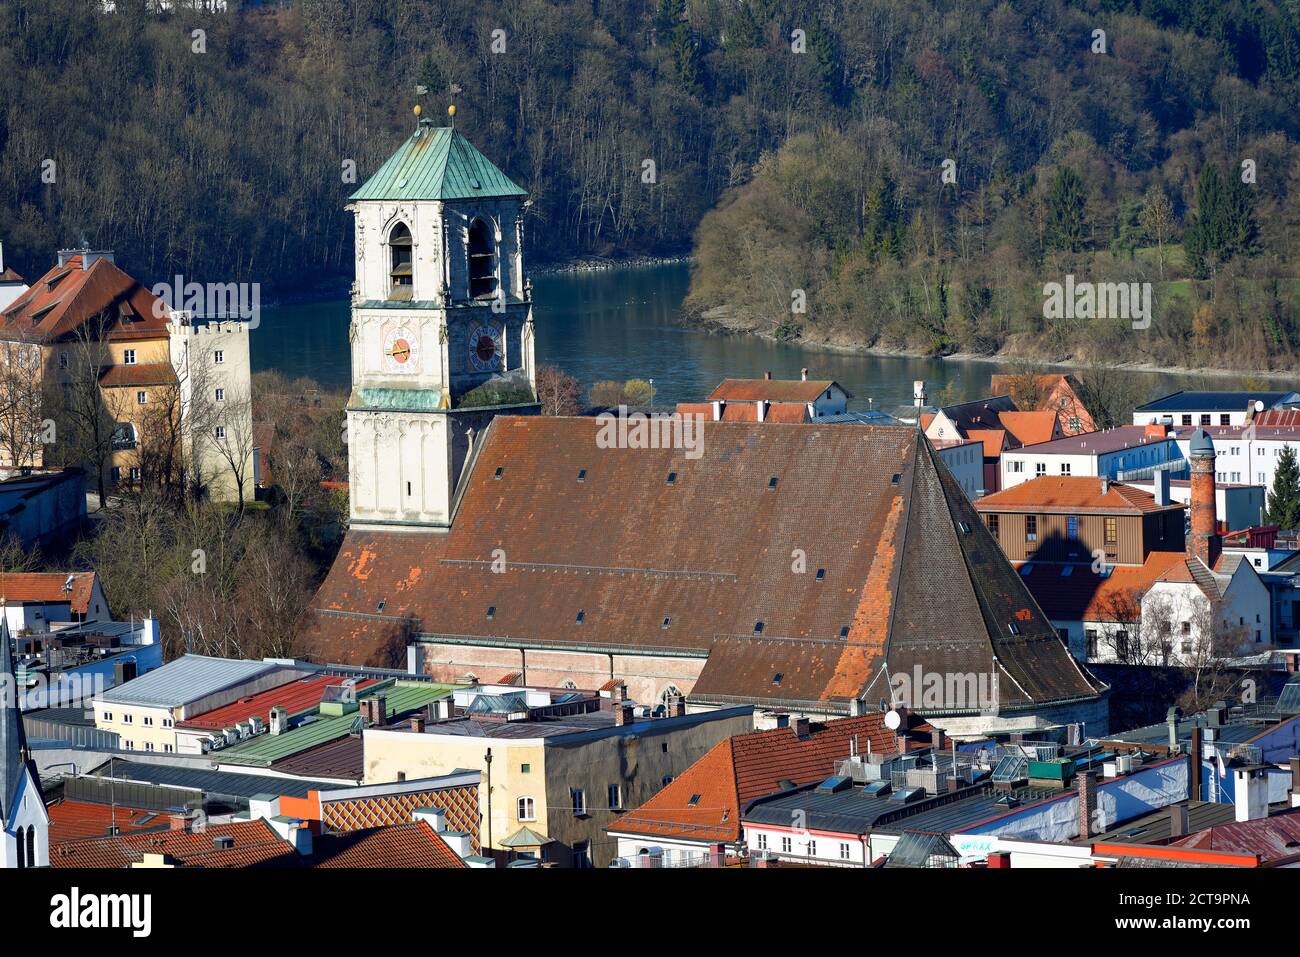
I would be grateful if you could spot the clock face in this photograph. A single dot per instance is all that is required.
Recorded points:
(485, 347)
(400, 353)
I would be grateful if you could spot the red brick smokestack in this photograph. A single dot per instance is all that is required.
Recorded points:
(1204, 542)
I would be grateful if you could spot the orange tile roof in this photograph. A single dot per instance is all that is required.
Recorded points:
(255, 844)
(82, 820)
(67, 296)
(48, 587)
(1072, 494)
(994, 440)
(773, 390)
(743, 767)
(148, 373)
(1029, 428)
(299, 695)
(1083, 596)
(415, 844)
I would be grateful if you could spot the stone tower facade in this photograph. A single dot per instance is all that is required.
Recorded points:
(442, 332)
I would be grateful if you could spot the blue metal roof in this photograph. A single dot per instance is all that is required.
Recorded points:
(1184, 401)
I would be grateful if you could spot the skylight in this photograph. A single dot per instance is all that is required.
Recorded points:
(491, 612)
(821, 574)
(499, 471)
(672, 478)
(758, 627)
(582, 475)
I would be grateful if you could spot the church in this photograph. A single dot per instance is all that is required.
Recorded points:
(24, 822)
(803, 568)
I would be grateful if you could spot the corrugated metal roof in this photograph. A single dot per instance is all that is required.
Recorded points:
(186, 679)
(437, 163)
(264, 749)
(1211, 401)
(210, 781)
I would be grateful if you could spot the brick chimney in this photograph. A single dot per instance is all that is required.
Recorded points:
(1178, 819)
(624, 714)
(801, 727)
(1204, 543)
(1087, 802)
(417, 723)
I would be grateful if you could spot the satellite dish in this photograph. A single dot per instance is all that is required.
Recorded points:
(1259, 406)
(893, 720)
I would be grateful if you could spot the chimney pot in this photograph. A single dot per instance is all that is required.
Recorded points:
(801, 727)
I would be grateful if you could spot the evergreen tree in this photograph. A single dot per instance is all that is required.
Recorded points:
(1066, 202)
(883, 231)
(1224, 225)
(1284, 500)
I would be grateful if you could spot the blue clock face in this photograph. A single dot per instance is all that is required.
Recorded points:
(485, 347)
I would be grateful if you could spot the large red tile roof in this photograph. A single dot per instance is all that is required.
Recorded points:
(255, 844)
(414, 844)
(705, 802)
(62, 300)
(82, 820)
(1067, 494)
(771, 390)
(712, 553)
(49, 587)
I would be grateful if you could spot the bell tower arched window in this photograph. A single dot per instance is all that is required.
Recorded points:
(482, 261)
(401, 272)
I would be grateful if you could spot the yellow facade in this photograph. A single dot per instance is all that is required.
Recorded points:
(148, 729)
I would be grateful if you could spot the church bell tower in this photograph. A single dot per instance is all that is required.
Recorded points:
(442, 326)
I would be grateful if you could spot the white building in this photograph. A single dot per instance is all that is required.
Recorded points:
(213, 370)
(442, 327)
(1249, 453)
(1126, 452)
(1207, 409)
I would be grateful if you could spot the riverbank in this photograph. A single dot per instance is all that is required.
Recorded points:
(714, 323)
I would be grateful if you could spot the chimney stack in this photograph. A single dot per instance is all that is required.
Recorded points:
(1205, 542)
(417, 723)
(801, 727)
(624, 715)
(936, 738)
(1087, 802)
(767, 376)
(762, 409)
(1178, 819)
(1162, 487)
(803, 375)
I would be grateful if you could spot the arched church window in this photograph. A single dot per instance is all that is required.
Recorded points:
(31, 846)
(400, 253)
(482, 261)
(22, 846)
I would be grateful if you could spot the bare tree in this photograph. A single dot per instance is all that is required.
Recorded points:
(22, 402)
(87, 432)
(558, 392)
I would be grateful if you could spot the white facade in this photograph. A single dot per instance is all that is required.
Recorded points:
(825, 848)
(1035, 461)
(1245, 460)
(1240, 506)
(414, 354)
(25, 834)
(1192, 413)
(213, 369)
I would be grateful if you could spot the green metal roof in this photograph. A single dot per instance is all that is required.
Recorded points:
(526, 837)
(397, 400)
(265, 749)
(437, 163)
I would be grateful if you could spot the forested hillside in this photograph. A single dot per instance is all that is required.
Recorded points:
(1169, 158)
(817, 132)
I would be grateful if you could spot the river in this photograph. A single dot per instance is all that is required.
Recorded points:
(622, 324)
